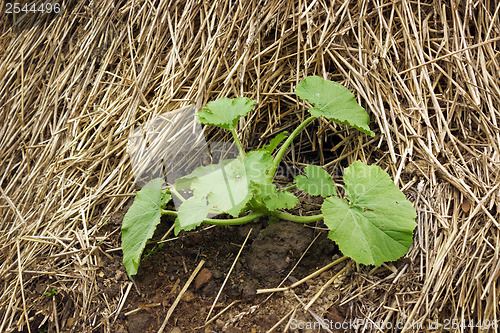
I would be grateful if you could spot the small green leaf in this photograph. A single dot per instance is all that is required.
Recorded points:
(377, 222)
(53, 292)
(273, 199)
(192, 212)
(316, 182)
(333, 101)
(257, 166)
(225, 112)
(140, 222)
(274, 142)
(261, 192)
(283, 200)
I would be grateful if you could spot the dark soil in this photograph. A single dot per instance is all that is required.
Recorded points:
(270, 253)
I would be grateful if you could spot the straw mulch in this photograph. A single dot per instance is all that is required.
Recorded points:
(73, 87)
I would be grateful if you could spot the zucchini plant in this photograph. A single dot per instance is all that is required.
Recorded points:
(372, 223)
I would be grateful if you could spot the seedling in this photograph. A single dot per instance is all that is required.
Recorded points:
(374, 222)
(153, 251)
(53, 292)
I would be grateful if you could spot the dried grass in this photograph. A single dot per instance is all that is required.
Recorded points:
(73, 87)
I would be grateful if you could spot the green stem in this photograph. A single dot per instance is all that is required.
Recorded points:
(281, 152)
(240, 220)
(177, 194)
(237, 141)
(289, 187)
(296, 218)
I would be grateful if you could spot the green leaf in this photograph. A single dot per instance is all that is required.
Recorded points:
(177, 226)
(140, 222)
(192, 212)
(316, 182)
(333, 101)
(273, 199)
(225, 185)
(260, 192)
(274, 142)
(225, 112)
(185, 183)
(283, 200)
(377, 222)
(257, 166)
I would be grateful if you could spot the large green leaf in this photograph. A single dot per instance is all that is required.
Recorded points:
(316, 181)
(225, 112)
(377, 222)
(333, 101)
(140, 222)
(225, 185)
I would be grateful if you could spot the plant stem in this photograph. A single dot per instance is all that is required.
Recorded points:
(237, 141)
(172, 190)
(177, 194)
(281, 152)
(296, 218)
(289, 187)
(240, 220)
(252, 216)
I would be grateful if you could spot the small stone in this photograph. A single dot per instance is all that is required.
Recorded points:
(202, 278)
(176, 330)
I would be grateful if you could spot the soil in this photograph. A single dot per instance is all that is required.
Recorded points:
(267, 259)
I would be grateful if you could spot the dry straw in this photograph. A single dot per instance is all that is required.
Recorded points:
(73, 87)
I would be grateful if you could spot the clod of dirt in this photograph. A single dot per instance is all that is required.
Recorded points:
(256, 227)
(139, 322)
(275, 249)
(202, 278)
